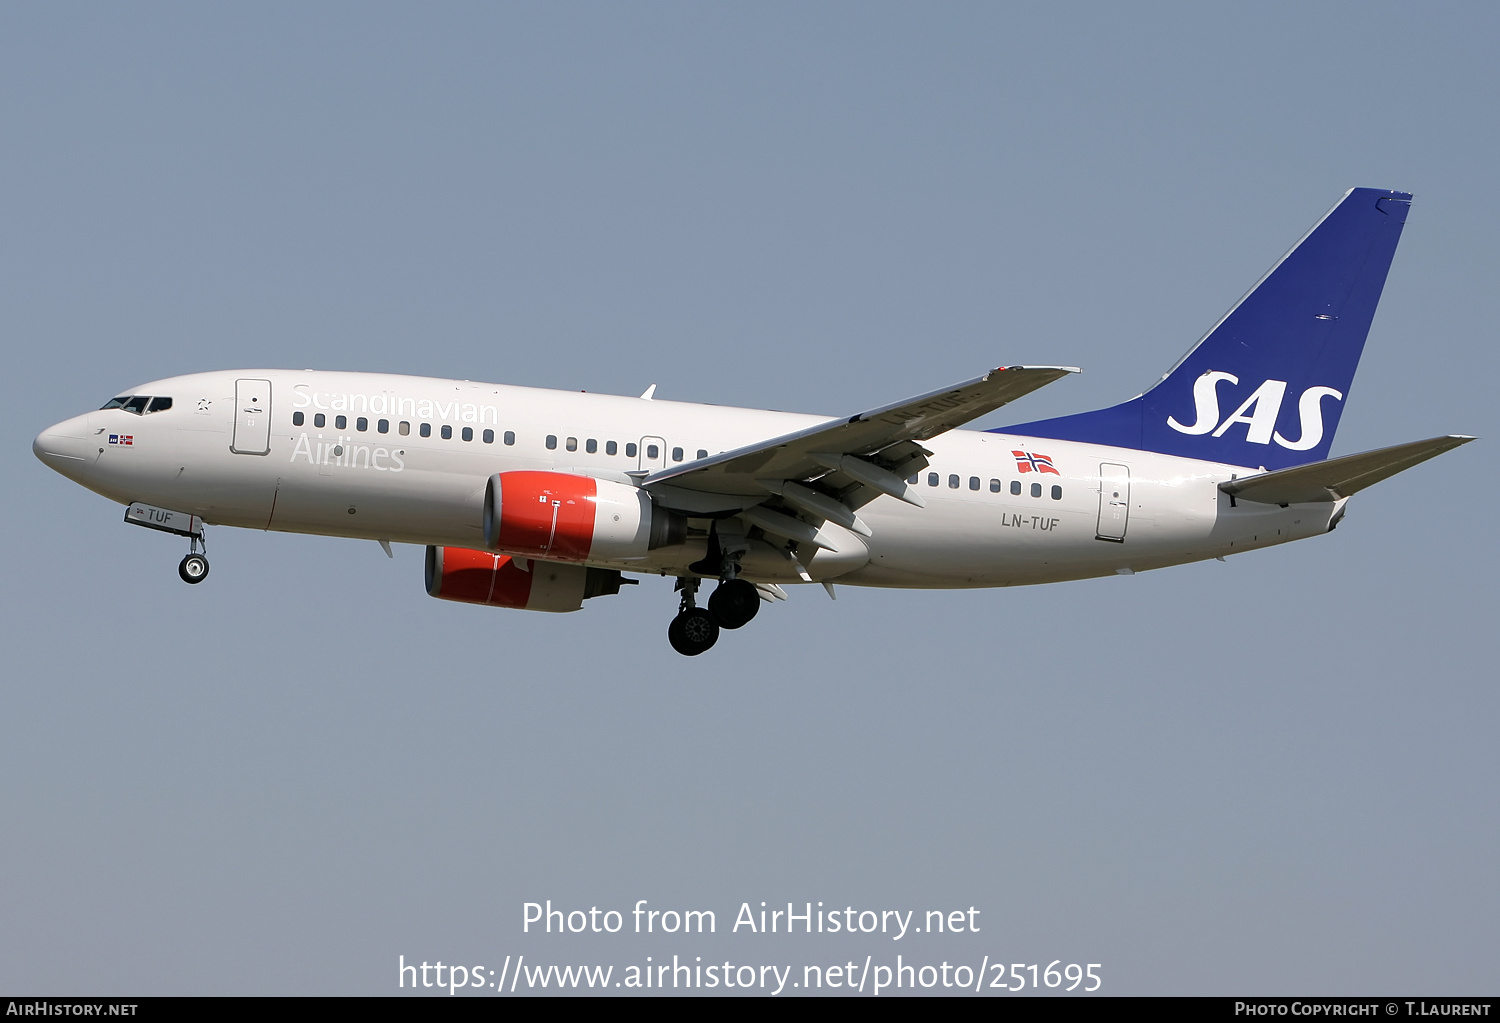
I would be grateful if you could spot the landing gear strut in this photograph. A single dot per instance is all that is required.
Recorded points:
(735, 600)
(694, 629)
(194, 568)
(732, 604)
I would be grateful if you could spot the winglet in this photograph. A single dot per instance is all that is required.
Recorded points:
(650, 392)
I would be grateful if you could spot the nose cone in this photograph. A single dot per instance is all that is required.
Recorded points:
(65, 447)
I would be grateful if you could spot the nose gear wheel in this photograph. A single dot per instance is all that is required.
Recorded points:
(193, 568)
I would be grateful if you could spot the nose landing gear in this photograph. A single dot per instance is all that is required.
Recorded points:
(194, 568)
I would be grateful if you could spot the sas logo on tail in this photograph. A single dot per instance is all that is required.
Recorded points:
(1028, 461)
(1258, 412)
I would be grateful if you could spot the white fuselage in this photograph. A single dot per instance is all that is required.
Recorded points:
(382, 476)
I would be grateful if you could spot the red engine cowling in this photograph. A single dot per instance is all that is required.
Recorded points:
(564, 516)
(480, 577)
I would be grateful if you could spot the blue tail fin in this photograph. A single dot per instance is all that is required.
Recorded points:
(1266, 386)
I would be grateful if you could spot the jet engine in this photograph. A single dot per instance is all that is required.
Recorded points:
(480, 577)
(563, 516)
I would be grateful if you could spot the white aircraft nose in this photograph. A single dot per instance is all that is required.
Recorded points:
(64, 447)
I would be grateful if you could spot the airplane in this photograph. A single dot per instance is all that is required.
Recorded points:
(541, 499)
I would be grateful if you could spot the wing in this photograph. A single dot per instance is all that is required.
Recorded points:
(831, 469)
(792, 456)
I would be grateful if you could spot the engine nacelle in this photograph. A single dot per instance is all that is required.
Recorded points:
(563, 516)
(480, 577)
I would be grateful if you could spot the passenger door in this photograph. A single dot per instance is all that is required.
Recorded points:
(1114, 502)
(252, 417)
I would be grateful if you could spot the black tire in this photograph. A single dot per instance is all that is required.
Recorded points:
(734, 603)
(193, 569)
(693, 632)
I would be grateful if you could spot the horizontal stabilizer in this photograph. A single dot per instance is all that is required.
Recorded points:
(1337, 478)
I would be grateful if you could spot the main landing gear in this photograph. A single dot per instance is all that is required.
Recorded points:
(733, 603)
(694, 629)
(731, 606)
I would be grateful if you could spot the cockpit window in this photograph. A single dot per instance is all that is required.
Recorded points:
(138, 404)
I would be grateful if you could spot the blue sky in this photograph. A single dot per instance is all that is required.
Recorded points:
(1273, 775)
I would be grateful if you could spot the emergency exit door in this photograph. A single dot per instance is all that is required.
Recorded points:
(1114, 502)
(252, 417)
(653, 454)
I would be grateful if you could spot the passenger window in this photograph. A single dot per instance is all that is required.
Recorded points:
(468, 433)
(1015, 487)
(932, 479)
(551, 442)
(510, 436)
(1057, 493)
(952, 482)
(425, 430)
(676, 454)
(994, 486)
(915, 479)
(610, 447)
(361, 424)
(572, 443)
(296, 418)
(703, 452)
(653, 452)
(403, 428)
(973, 482)
(160, 405)
(447, 432)
(591, 445)
(319, 420)
(384, 426)
(339, 422)
(1036, 490)
(489, 436)
(630, 450)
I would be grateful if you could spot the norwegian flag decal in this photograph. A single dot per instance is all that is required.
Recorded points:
(1030, 461)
